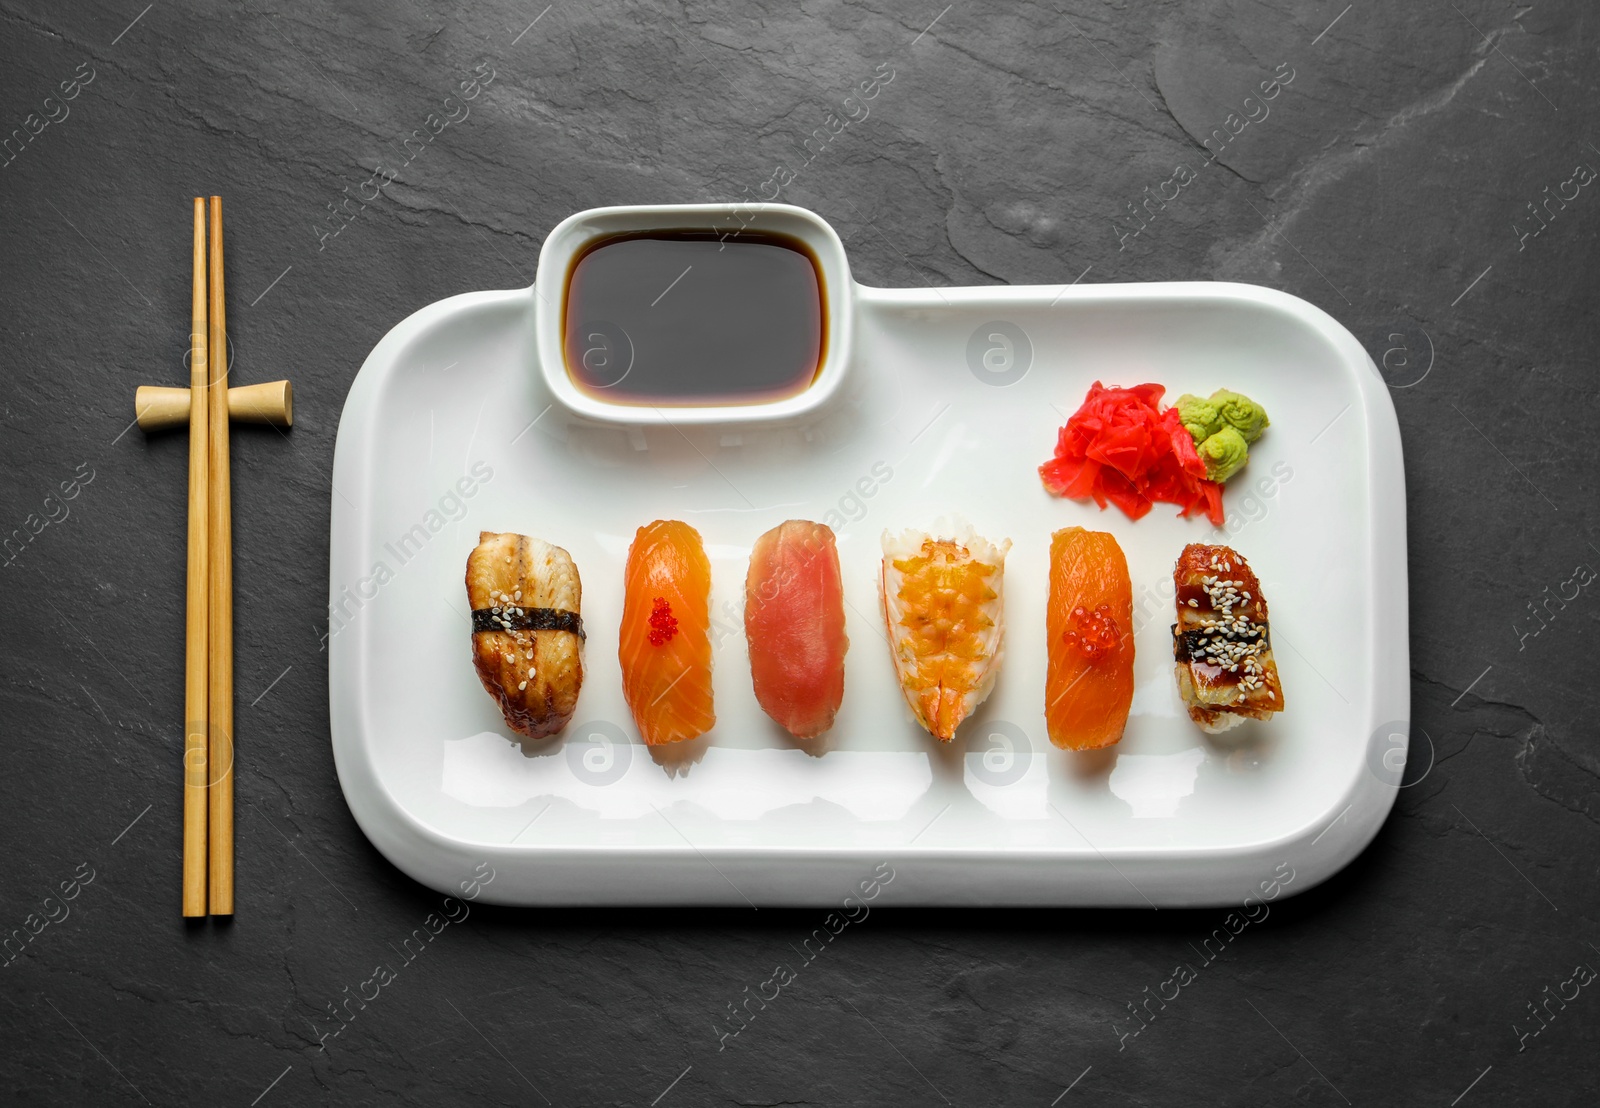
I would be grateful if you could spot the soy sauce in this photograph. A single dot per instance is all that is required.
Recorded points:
(694, 318)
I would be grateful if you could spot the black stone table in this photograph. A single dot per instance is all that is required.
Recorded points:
(1414, 169)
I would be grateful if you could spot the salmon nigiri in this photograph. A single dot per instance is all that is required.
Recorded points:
(1089, 682)
(942, 605)
(665, 642)
(794, 625)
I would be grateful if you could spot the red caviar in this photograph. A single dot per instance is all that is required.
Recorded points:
(663, 624)
(1095, 633)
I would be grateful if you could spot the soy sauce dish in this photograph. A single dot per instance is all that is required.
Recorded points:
(706, 313)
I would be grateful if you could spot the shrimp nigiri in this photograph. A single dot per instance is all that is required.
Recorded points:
(665, 641)
(942, 604)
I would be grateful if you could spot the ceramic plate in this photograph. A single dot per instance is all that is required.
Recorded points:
(954, 397)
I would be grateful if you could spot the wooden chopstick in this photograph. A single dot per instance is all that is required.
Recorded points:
(196, 671)
(220, 517)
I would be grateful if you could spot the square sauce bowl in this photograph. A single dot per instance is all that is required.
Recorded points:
(693, 314)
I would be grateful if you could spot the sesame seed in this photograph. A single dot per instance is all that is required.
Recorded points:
(522, 686)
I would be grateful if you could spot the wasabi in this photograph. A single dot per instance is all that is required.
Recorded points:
(1241, 413)
(1223, 427)
(1224, 454)
(1199, 417)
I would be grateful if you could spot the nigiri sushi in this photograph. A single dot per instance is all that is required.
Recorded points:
(943, 608)
(794, 626)
(527, 635)
(665, 642)
(1089, 682)
(1221, 642)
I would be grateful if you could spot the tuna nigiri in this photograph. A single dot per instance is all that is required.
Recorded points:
(1089, 682)
(794, 625)
(942, 605)
(665, 642)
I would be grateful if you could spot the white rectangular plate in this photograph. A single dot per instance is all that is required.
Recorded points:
(447, 431)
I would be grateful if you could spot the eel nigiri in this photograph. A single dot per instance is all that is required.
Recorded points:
(794, 626)
(943, 608)
(527, 635)
(1221, 642)
(1089, 683)
(665, 642)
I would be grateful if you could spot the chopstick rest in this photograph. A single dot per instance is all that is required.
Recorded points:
(271, 403)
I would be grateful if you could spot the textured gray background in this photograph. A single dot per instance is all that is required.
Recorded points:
(1385, 186)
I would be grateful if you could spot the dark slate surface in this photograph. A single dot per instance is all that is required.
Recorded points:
(1388, 180)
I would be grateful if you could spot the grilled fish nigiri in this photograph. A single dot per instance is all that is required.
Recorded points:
(1089, 683)
(794, 625)
(527, 635)
(942, 604)
(665, 642)
(1221, 642)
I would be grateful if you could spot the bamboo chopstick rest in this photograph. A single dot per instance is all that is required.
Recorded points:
(271, 403)
(208, 405)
